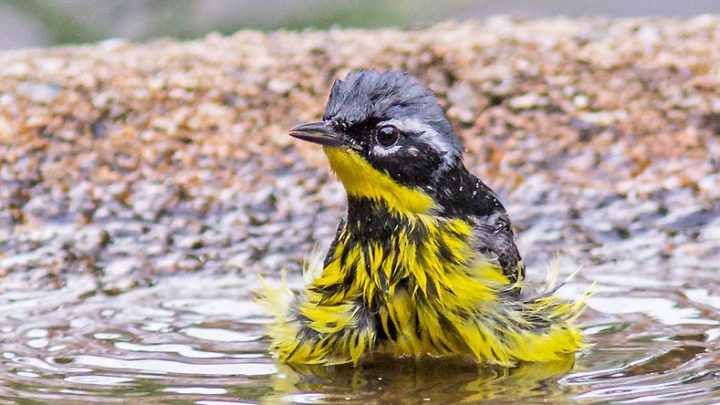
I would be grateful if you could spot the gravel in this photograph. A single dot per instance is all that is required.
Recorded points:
(130, 161)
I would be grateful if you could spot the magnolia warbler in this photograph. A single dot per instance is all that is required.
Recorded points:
(425, 261)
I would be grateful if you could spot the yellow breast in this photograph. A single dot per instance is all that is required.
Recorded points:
(405, 281)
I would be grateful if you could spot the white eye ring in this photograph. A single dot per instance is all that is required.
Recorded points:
(382, 151)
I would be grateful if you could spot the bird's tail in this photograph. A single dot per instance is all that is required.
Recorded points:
(282, 303)
(279, 300)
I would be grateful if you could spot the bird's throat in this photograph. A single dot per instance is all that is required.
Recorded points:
(362, 180)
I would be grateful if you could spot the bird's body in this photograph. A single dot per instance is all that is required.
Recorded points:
(425, 262)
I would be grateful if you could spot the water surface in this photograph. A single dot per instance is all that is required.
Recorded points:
(202, 339)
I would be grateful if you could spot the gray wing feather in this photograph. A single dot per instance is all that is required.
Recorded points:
(495, 238)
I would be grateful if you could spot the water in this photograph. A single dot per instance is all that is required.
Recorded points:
(201, 339)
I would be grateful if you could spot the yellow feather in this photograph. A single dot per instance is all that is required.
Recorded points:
(426, 291)
(362, 180)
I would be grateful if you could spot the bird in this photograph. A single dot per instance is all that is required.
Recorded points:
(424, 262)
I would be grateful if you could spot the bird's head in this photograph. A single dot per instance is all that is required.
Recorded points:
(386, 138)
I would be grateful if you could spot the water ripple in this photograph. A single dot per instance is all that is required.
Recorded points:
(190, 338)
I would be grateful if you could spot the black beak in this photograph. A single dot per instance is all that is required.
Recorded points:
(320, 133)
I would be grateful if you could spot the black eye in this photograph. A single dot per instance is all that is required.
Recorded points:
(387, 135)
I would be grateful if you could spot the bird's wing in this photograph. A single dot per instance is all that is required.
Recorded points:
(494, 238)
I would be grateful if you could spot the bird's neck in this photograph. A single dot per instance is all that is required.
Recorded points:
(364, 182)
(374, 219)
(457, 193)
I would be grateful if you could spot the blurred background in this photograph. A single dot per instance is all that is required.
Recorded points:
(33, 23)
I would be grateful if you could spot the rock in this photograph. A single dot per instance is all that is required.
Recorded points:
(603, 118)
(280, 86)
(142, 159)
(43, 93)
(7, 133)
(528, 101)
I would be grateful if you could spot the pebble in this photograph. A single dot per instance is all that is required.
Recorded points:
(126, 161)
(528, 101)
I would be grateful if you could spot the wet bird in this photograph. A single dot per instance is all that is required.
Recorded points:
(425, 261)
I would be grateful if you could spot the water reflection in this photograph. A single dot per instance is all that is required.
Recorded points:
(190, 338)
(394, 380)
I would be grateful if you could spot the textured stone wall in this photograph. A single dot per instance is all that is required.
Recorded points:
(124, 160)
